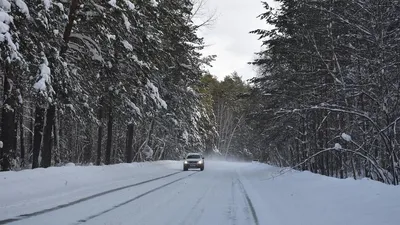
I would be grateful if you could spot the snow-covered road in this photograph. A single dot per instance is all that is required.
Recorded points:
(215, 195)
(161, 193)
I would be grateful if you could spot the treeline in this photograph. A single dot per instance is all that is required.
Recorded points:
(227, 101)
(327, 97)
(100, 82)
(122, 81)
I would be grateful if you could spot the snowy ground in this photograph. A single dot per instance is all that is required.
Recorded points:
(161, 193)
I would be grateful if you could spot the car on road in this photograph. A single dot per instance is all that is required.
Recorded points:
(193, 160)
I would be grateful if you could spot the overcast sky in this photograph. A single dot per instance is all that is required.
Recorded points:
(229, 36)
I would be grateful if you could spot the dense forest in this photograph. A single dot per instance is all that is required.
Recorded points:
(327, 97)
(100, 82)
(122, 81)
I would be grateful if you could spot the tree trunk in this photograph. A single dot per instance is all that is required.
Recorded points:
(7, 122)
(393, 167)
(21, 136)
(47, 142)
(99, 140)
(15, 134)
(129, 140)
(68, 28)
(209, 147)
(76, 153)
(37, 137)
(353, 165)
(341, 166)
(109, 136)
(100, 132)
(232, 134)
(56, 140)
(113, 153)
(31, 132)
(87, 147)
(346, 172)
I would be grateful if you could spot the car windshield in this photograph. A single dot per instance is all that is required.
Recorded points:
(193, 157)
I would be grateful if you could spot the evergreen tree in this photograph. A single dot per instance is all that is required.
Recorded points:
(119, 74)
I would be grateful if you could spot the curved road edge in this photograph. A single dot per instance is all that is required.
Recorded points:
(249, 202)
(260, 205)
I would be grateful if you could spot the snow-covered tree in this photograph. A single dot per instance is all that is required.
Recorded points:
(80, 67)
(328, 68)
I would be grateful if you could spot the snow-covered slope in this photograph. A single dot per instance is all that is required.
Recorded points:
(224, 193)
(304, 198)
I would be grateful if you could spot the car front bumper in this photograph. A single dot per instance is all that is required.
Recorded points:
(193, 165)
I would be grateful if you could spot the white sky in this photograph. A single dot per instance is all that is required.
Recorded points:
(229, 36)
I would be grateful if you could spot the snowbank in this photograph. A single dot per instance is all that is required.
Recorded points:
(304, 198)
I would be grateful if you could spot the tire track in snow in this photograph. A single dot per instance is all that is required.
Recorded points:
(250, 204)
(232, 205)
(197, 210)
(28, 215)
(132, 199)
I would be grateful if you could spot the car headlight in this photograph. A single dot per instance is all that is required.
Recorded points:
(200, 162)
(186, 162)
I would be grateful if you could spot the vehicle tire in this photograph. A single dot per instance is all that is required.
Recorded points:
(185, 168)
(201, 168)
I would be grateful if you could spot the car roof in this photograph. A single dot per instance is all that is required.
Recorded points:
(194, 153)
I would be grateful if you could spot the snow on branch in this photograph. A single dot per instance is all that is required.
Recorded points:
(47, 4)
(5, 5)
(139, 62)
(148, 151)
(44, 76)
(154, 3)
(336, 108)
(154, 94)
(126, 22)
(5, 36)
(346, 137)
(93, 47)
(358, 113)
(133, 106)
(23, 8)
(130, 5)
(5, 21)
(59, 5)
(113, 3)
(127, 45)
